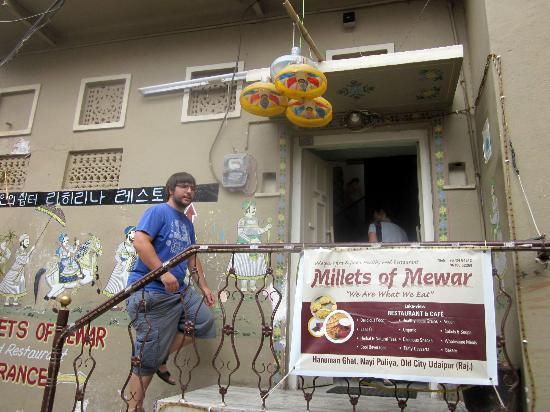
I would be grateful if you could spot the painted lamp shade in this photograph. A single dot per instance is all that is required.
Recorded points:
(315, 112)
(300, 81)
(262, 99)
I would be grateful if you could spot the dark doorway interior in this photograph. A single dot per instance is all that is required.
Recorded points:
(388, 182)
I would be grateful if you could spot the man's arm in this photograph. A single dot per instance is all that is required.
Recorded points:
(197, 272)
(143, 243)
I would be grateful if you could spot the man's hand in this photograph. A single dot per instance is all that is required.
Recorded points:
(170, 282)
(209, 297)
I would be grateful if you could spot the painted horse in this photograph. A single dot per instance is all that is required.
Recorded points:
(82, 273)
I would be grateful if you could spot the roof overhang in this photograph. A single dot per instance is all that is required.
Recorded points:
(410, 81)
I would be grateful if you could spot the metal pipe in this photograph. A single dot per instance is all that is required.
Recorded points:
(189, 84)
(305, 34)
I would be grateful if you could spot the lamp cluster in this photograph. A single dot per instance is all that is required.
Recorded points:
(296, 91)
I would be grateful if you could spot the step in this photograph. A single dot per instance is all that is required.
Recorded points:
(241, 399)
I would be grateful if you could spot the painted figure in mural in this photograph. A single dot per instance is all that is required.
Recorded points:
(75, 266)
(249, 266)
(171, 305)
(14, 285)
(125, 257)
(67, 264)
(5, 254)
(384, 230)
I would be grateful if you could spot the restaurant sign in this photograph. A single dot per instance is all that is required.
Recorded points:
(412, 314)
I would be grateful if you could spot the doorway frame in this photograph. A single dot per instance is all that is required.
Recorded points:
(388, 138)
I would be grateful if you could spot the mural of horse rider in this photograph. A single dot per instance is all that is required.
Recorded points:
(74, 266)
(14, 285)
(69, 270)
(249, 266)
(125, 257)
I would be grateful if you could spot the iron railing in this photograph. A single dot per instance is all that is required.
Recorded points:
(265, 372)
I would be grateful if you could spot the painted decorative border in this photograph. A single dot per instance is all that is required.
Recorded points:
(281, 283)
(439, 164)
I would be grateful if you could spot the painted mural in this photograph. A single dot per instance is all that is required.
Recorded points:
(249, 267)
(39, 265)
(73, 266)
(14, 283)
(125, 258)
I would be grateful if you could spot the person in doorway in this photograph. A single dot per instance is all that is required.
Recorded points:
(161, 310)
(384, 230)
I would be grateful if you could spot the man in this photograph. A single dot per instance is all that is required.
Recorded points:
(163, 232)
(384, 230)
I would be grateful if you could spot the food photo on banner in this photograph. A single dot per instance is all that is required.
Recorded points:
(422, 315)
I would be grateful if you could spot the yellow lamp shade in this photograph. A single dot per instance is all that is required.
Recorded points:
(262, 99)
(309, 112)
(300, 81)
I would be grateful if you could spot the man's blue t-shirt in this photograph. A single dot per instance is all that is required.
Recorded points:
(172, 232)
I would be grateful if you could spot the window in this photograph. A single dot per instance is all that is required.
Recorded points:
(209, 102)
(17, 108)
(361, 51)
(13, 171)
(98, 169)
(102, 102)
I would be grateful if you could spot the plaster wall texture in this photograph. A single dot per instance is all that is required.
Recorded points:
(519, 35)
(155, 143)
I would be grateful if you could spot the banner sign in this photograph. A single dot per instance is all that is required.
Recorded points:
(102, 197)
(413, 314)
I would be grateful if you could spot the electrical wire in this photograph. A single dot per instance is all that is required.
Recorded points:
(27, 17)
(413, 26)
(229, 93)
(37, 25)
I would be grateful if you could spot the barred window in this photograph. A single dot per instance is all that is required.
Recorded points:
(102, 102)
(210, 101)
(93, 169)
(13, 171)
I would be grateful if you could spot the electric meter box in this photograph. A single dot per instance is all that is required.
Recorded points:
(236, 169)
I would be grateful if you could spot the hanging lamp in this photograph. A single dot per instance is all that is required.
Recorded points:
(263, 99)
(316, 112)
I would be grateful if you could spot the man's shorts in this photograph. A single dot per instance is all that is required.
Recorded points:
(158, 320)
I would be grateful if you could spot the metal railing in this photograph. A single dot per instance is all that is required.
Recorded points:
(265, 373)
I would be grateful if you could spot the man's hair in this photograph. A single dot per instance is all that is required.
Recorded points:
(176, 179)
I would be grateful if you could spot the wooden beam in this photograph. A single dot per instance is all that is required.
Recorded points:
(19, 12)
(305, 34)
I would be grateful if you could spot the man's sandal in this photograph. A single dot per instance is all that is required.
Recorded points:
(165, 376)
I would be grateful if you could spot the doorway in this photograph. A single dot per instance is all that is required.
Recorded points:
(362, 186)
(389, 170)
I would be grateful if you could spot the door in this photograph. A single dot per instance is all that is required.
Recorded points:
(316, 199)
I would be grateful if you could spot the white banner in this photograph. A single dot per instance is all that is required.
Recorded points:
(412, 314)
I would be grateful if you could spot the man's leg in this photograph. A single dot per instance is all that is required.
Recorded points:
(137, 388)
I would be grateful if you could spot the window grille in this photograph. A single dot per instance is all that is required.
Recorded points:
(93, 169)
(102, 102)
(210, 101)
(13, 171)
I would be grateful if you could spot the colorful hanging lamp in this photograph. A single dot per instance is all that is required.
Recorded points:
(301, 81)
(315, 112)
(263, 99)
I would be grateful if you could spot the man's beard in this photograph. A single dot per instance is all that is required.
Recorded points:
(180, 204)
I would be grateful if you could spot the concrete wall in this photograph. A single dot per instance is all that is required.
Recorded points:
(519, 35)
(155, 144)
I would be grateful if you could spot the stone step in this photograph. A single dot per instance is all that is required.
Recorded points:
(240, 399)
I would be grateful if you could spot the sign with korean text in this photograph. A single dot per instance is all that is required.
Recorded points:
(413, 314)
